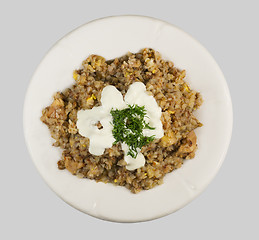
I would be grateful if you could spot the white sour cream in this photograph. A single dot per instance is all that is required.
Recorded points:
(133, 163)
(112, 98)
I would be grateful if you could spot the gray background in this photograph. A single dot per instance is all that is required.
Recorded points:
(228, 208)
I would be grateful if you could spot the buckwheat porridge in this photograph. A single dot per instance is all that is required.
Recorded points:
(127, 121)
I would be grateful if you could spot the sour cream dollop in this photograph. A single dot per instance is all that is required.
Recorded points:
(112, 98)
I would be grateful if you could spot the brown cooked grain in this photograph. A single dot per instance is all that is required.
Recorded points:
(163, 81)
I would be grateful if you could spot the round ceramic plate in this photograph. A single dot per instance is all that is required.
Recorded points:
(113, 37)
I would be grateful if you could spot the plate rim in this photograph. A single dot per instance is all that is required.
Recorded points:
(223, 152)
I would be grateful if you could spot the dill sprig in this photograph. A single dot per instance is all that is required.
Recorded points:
(128, 125)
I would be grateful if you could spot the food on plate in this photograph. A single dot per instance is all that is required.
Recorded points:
(127, 121)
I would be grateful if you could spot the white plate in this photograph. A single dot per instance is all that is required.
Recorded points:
(113, 37)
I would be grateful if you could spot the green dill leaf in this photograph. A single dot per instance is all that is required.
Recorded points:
(128, 125)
